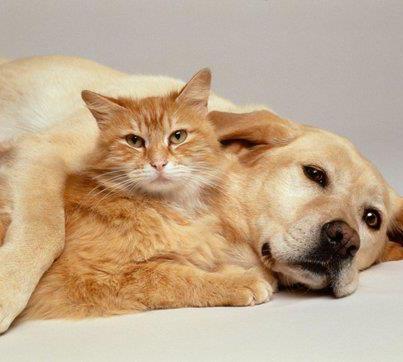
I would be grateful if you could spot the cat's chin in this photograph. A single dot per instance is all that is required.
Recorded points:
(162, 186)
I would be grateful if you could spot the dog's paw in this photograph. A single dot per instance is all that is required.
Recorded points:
(15, 289)
(250, 289)
(11, 305)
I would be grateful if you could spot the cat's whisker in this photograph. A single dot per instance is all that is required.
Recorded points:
(109, 173)
(106, 179)
(141, 172)
(112, 179)
(104, 198)
(113, 189)
(105, 188)
(122, 184)
(97, 187)
(113, 172)
(121, 172)
(207, 183)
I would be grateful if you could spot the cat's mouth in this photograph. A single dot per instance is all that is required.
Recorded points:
(161, 177)
(161, 182)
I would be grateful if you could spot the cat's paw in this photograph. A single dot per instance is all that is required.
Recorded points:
(250, 289)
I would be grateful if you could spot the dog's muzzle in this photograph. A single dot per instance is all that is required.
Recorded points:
(338, 244)
(332, 258)
(338, 240)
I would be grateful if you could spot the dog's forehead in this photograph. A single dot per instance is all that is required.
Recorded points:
(334, 151)
(319, 143)
(339, 157)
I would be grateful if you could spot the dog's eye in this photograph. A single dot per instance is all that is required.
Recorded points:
(372, 218)
(316, 174)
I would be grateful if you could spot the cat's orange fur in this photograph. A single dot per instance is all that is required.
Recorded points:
(130, 250)
(176, 171)
(126, 254)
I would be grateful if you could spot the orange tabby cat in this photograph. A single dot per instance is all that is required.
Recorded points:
(163, 146)
(127, 248)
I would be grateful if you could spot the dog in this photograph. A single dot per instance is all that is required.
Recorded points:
(327, 211)
(323, 212)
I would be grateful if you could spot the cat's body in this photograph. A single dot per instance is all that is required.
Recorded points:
(126, 254)
(150, 223)
(42, 96)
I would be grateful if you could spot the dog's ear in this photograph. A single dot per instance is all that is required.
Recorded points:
(393, 249)
(254, 128)
(250, 134)
(392, 252)
(102, 108)
(395, 230)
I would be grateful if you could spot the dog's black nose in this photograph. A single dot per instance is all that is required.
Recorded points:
(340, 239)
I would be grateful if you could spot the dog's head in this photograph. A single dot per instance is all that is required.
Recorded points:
(324, 212)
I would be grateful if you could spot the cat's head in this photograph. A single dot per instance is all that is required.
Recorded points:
(156, 145)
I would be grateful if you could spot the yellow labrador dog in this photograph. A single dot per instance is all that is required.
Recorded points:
(319, 211)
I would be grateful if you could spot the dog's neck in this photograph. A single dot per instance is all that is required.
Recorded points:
(236, 205)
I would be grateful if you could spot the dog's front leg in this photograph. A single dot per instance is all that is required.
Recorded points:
(35, 236)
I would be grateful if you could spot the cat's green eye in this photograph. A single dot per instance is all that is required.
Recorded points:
(178, 137)
(134, 141)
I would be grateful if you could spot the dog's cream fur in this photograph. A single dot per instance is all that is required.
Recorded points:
(39, 98)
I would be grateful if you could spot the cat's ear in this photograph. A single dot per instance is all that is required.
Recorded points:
(197, 91)
(102, 108)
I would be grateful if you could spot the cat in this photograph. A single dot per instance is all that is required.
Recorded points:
(161, 146)
(144, 225)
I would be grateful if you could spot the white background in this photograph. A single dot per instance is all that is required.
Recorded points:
(333, 64)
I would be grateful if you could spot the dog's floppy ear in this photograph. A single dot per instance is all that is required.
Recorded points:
(256, 128)
(394, 245)
(392, 252)
(395, 230)
(250, 134)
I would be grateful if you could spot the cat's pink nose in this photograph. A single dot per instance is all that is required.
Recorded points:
(159, 165)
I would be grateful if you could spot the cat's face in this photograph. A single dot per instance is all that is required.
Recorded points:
(157, 145)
